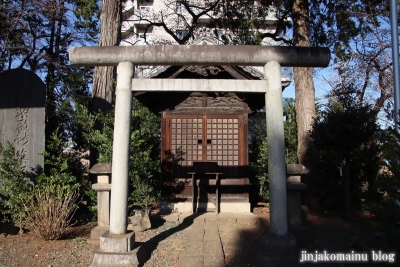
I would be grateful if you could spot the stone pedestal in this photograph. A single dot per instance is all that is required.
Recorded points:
(103, 189)
(294, 203)
(294, 187)
(116, 250)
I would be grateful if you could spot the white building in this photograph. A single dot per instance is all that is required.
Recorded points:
(140, 16)
(143, 25)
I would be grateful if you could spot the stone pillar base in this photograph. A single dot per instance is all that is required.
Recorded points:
(111, 259)
(116, 250)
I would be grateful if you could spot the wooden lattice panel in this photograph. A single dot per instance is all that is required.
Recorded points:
(201, 138)
(223, 141)
(185, 136)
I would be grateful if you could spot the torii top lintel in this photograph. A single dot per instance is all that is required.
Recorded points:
(224, 55)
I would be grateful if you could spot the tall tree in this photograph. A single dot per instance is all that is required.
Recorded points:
(304, 84)
(37, 36)
(366, 62)
(110, 35)
(350, 147)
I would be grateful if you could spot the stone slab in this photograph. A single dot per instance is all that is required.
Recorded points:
(211, 225)
(214, 262)
(22, 115)
(191, 261)
(213, 249)
(211, 217)
(247, 218)
(237, 207)
(211, 234)
(194, 248)
(184, 215)
(196, 236)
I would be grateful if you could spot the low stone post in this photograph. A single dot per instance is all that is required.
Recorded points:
(103, 190)
(294, 188)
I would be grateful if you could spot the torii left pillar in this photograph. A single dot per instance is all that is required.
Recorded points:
(116, 245)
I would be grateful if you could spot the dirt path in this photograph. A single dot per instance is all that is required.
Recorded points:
(167, 242)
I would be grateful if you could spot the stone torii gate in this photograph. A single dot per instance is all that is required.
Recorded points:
(117, 240)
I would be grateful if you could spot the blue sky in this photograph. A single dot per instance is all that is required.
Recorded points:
(320, 84)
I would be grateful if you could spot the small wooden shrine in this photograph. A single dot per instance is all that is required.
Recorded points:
(208, 128)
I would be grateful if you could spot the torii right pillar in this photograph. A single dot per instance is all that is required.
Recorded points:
(279, 237)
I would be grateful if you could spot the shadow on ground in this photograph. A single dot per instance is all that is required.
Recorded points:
(146, 248)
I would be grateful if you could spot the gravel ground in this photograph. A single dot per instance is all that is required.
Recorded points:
(167, 241)
(29, 250)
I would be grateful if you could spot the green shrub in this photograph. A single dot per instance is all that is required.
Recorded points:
(259, 180)
(15, 184)
(44, 204)
(346, 140)
(52, 204)
(145, 147)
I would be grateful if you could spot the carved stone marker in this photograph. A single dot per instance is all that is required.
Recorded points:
(22, 114)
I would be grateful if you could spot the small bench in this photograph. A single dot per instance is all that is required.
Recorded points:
(205, 171)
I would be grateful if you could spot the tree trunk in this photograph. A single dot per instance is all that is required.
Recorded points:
(110, 35)
(304, 85)
(104, 77)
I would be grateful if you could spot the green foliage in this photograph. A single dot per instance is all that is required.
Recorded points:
(61, 158)
(346, 138)
(99, 139)
(290, 129)
(54, 158)
(388, 181)
(386, 208)
(43, 204)
(15, 183)
(145, 171)
(259, 163)
(259, 148)
(144, 162)
(87, 13)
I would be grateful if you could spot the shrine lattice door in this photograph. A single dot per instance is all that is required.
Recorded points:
(206, 138)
